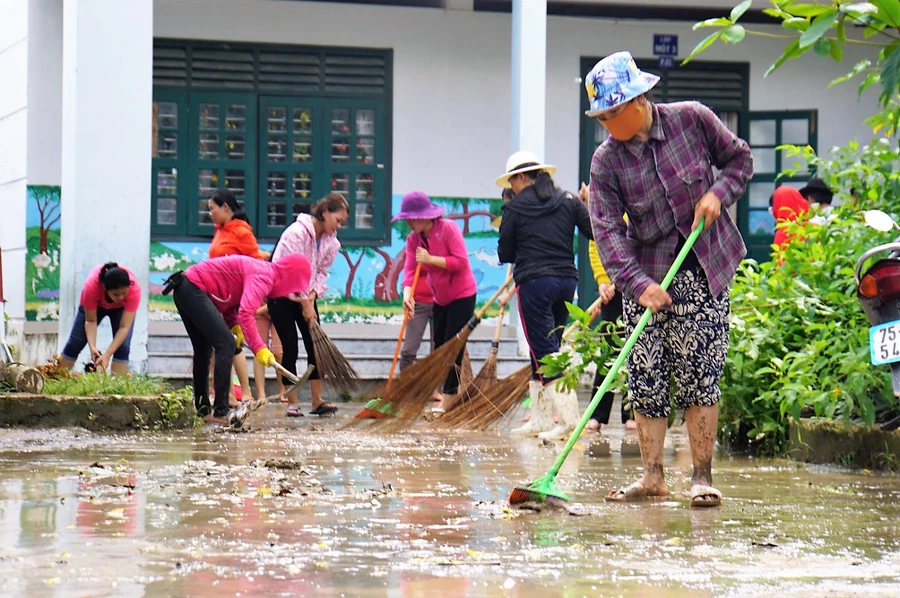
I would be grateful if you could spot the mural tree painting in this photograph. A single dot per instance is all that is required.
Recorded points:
(386, 280)
(461, 204)
(348, 290)
(47, 199)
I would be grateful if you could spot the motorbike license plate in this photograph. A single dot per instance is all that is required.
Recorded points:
(884, 342)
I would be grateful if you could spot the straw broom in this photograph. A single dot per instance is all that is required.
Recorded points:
(370, 410)
(333, 367)
(497, 402)
(472, 398)
(413, 388)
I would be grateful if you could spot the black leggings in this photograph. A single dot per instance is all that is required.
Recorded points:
(610, 312)
(208, 332)
(446, 321)
(287, 317)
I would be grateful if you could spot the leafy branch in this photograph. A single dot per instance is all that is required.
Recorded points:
(822, 28)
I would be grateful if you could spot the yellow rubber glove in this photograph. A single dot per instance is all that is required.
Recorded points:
(265, 357)
(238, 336)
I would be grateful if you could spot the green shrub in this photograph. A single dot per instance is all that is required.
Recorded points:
(79, 385)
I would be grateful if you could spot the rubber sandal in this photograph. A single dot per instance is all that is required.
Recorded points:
(705, 496)
(293, 412)
(324, 408)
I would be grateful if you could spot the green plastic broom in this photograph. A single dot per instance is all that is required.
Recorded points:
(545, 487)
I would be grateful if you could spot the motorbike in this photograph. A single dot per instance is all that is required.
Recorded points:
(878, 292)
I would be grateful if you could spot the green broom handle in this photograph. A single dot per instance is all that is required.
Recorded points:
(623, 354)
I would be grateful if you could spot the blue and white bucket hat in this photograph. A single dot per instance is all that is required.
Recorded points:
(615, 80)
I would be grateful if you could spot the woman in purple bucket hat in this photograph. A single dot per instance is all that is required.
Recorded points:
(437, 244)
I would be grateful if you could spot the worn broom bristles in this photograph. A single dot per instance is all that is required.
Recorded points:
(468, 405)
(412, 391)
(486, 408)
(334, 368)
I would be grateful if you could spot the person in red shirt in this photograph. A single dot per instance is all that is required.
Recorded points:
(110, 290)
(234, 236)
(787, 205)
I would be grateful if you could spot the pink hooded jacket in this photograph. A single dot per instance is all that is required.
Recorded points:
(300, 237)
(238, 285)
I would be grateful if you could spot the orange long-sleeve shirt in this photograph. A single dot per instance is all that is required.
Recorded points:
(235, 237)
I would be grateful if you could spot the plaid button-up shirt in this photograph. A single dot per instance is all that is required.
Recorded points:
(658, 183)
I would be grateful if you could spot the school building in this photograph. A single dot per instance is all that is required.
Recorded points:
(118, 119)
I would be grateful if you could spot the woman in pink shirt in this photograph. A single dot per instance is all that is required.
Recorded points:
(215, 295)
(313, 235)
(110, 290)
(438, 245)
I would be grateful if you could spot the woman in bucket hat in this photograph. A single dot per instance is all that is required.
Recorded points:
(657, 167)
(437, 244)
(536, 234)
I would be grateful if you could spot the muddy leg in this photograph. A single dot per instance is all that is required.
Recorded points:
(652, 437)
(701, 424)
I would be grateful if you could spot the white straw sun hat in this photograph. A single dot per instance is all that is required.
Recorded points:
(522, 162)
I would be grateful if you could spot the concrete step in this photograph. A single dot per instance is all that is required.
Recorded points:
(370, 348)
(369, 367)
(346, 344)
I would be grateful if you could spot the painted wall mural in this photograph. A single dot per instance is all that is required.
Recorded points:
(364, 283)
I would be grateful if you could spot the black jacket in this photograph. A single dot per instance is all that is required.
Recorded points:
(538, 236)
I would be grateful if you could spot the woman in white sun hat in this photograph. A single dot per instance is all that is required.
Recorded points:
(537, 234)
(659, 167)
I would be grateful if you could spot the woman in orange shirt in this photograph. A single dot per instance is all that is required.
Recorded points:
(234, 236)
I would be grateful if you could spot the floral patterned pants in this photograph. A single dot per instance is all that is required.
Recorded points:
(687, 341)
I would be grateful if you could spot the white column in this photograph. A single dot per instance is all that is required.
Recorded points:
(106, 143)
(13, 168)
(528, 92)
(529, 75)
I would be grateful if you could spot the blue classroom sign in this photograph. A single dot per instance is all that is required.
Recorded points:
(665, 45)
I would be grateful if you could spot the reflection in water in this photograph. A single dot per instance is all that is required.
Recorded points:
(299, 512)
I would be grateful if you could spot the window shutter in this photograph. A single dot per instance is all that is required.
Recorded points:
(269, 68)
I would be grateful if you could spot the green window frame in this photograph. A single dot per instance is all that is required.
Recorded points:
(309, 147)
(764, 131)
(169, 162)
(199, 84)
(223, 138)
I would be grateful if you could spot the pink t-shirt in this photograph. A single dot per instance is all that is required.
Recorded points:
(93, 295)
(444, 240)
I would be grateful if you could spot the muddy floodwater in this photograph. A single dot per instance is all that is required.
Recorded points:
(298, 508)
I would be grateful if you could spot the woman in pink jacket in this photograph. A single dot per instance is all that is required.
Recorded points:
(438, 245)
(313, 235)
(215, 295)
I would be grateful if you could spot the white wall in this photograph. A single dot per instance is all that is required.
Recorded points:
(107, 109)
(45, 56)
(452, 77)
(13, 133)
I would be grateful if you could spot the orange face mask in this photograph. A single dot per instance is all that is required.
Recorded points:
(626, 123)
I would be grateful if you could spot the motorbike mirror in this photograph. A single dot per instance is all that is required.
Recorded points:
(880, 221)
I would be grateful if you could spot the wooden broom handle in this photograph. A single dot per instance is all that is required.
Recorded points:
(496, 342)
(415, 283)
(480, 313)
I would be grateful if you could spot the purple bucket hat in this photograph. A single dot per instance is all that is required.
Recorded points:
(416, 205)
